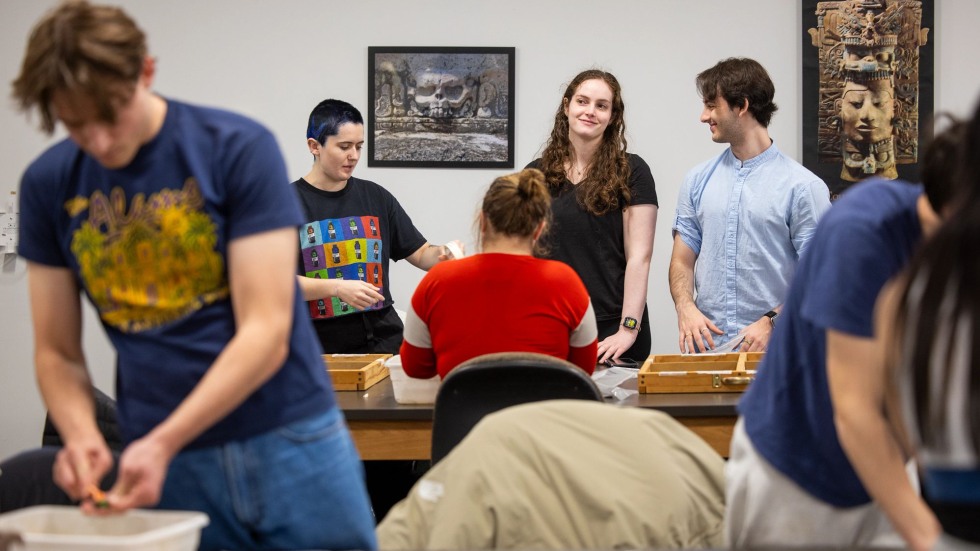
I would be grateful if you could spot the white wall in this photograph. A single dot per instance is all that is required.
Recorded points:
(274, 60)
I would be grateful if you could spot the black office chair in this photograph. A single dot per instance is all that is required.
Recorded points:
(26, 480)
(492, 382)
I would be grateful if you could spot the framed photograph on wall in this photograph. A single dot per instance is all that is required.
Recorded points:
(867, 88)
(440, 107)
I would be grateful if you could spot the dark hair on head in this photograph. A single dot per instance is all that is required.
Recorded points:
(78, 47)
(605, 185)
(938, 170)
(740, 79)
(935, 333)
(516, 204)
(327, 118)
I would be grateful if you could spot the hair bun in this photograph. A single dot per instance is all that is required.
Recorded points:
(528, 181)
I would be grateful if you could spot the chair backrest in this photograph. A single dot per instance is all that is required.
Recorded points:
(492, 382)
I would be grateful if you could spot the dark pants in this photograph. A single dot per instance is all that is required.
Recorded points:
(370, 332)
(641, 347)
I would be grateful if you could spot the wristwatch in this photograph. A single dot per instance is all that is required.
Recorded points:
(630, 323)
(771, 314)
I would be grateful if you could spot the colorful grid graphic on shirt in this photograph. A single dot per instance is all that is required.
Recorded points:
(342, 248)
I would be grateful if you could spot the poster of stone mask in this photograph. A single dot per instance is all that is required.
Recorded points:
(441, 107)
(867, 89)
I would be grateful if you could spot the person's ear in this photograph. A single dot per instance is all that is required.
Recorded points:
(147, 71)
(744, 108)
(314, 146)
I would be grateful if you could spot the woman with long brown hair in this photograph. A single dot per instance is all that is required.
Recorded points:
(604, 208)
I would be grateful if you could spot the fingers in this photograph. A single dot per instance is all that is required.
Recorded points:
(66, 476)
(359, 294)
(699, 341)
(691, 341)
(616, 345)
(136, 486)
(707, 336)
(754, 343)
(77, 469)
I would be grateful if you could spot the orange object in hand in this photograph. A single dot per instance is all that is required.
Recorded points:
(97, 496)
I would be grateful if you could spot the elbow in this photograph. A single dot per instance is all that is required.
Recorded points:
(279, 353)
(846, 423)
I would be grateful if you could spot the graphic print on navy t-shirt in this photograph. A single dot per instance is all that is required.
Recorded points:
(147, 261)
(341, 248)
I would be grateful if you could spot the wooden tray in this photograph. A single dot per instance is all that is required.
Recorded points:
(356, 371)
(680, 373)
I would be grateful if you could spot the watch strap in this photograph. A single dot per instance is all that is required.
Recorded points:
(771, 314)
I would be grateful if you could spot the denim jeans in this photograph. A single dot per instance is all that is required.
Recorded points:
(300, 486)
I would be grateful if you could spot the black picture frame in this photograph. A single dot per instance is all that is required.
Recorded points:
(822, 88)
(440, 107)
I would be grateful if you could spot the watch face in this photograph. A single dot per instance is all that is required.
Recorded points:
(629, 323)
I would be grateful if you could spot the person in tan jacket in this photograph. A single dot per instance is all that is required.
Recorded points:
(566, 474)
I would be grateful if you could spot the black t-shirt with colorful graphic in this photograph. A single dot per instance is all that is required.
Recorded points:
(351, 234)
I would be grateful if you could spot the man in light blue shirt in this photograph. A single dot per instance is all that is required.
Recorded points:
(743, 218)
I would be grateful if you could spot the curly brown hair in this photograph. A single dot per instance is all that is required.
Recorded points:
(80, 47)
(606, 182)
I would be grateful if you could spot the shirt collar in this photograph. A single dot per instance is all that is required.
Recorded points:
(770, 153)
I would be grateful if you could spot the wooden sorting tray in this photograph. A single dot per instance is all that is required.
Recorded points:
(356, 371)
(679, 373)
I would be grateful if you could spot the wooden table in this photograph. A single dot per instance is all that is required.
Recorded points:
(384, 429)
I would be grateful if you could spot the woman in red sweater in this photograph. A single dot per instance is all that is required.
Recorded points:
(503, 299)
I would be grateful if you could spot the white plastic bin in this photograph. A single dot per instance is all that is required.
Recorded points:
(64, 528)
(409, 390)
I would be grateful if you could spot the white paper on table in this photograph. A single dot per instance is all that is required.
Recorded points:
(730, 346)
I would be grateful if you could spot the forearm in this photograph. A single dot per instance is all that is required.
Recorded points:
(639, 228)
(635, 287)
(312, 288)
(59, 362)
(66, 389)
(681, 280)
(426, 256)
(680, 274)
(856, 377)
(878, 461)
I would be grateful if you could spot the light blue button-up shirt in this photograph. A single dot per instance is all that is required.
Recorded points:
(747, 222)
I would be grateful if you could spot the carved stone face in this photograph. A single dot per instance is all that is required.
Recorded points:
(868, 111)
(867, 116)
(442, 93)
